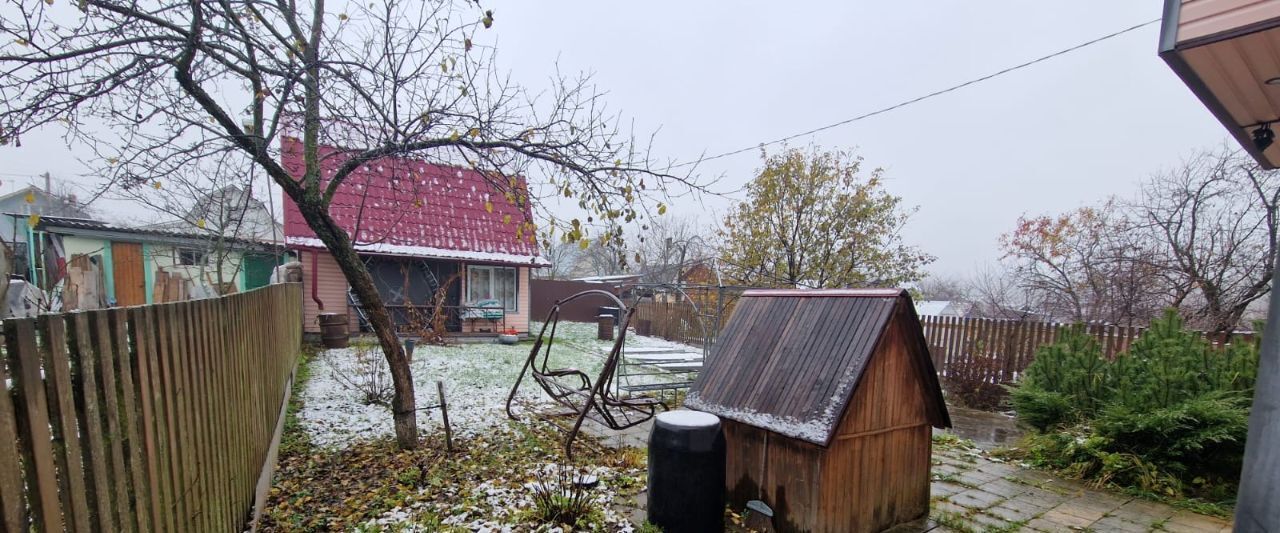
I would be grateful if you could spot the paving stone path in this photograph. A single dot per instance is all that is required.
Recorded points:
(973, 493)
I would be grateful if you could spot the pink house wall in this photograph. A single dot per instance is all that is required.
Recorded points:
(332, 289)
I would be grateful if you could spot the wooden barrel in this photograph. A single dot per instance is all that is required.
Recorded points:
(333, 330)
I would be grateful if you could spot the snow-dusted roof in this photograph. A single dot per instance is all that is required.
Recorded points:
(606, 279)
(403, 206)
(429, 252)
(938, 308)
(789, 361)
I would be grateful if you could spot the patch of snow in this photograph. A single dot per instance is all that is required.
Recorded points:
(429, 251)
(686, 418)
(477, 380)
(494, 505)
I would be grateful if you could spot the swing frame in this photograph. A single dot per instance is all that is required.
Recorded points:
(574, 389)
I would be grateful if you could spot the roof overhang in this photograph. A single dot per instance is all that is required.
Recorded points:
(109, 232)
(1225, 52)
(427, 252)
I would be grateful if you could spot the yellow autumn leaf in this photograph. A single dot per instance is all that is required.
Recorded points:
(662, 209)
(583, 244)
(156, 185)
(488, 206)
(200, 223)
(342, 16)
(33, 220)
(506, 219)
(30, 197)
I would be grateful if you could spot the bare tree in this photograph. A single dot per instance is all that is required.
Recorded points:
(601, 260)
(154, 87)
(1213, 219)
(996, 291)
(564, 257)
(1087, 265)
(668, 246)
(214, 199)
(947, 288)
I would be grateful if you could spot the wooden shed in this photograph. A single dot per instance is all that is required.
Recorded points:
(827, 398)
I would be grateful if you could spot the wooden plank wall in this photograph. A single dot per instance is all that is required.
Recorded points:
(1004, 348)
(149, 418)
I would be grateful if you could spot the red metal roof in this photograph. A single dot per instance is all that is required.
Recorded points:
(404, 206)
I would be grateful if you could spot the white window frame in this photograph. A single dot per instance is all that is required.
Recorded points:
(511, 307)
(201, 257)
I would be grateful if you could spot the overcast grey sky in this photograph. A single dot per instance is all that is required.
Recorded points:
(721, 76)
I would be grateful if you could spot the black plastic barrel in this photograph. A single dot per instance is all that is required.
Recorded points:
(686, 472)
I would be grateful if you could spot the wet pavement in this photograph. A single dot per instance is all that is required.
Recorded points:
(972, 492)
(986, 429)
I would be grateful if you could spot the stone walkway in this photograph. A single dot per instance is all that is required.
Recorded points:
(972, 493)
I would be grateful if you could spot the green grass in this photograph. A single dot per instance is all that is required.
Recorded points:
(294, 439)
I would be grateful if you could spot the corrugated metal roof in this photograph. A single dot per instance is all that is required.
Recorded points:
(401, 202)
(789, 360)
(90, 227)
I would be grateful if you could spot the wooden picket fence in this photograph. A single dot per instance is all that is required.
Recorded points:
(148, 418)
(680, 322)
(1000, 350)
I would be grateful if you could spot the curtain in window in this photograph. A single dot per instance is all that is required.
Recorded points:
(496, 283)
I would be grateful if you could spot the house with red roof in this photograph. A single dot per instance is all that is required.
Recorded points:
(421, 227)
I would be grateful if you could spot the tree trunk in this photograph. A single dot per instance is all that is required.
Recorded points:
(403, 404)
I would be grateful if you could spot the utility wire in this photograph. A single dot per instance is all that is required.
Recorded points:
(922, 98)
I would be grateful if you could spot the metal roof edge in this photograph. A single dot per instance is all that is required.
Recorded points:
(825, 293)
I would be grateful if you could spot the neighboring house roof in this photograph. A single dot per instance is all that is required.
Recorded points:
(790, 360)
(939, 308)
(230, 211)
(401, 206)
(610, 278)
(105, 230)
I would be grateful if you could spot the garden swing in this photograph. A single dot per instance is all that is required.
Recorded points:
(574, 389)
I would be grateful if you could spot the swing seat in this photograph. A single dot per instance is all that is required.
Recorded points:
(574, 389)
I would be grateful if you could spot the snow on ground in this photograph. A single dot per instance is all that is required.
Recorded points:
(477, 380)
(495, 505)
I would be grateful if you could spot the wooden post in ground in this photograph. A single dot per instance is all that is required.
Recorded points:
(444, 414)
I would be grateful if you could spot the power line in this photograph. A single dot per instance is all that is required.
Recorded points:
(924, 97)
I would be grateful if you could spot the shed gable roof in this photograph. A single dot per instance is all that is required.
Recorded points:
(790, 360)
(402, 206)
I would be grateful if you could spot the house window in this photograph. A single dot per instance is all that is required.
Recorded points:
(190, 257)
(492, 283)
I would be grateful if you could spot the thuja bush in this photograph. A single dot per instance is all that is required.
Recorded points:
(1168, 416)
